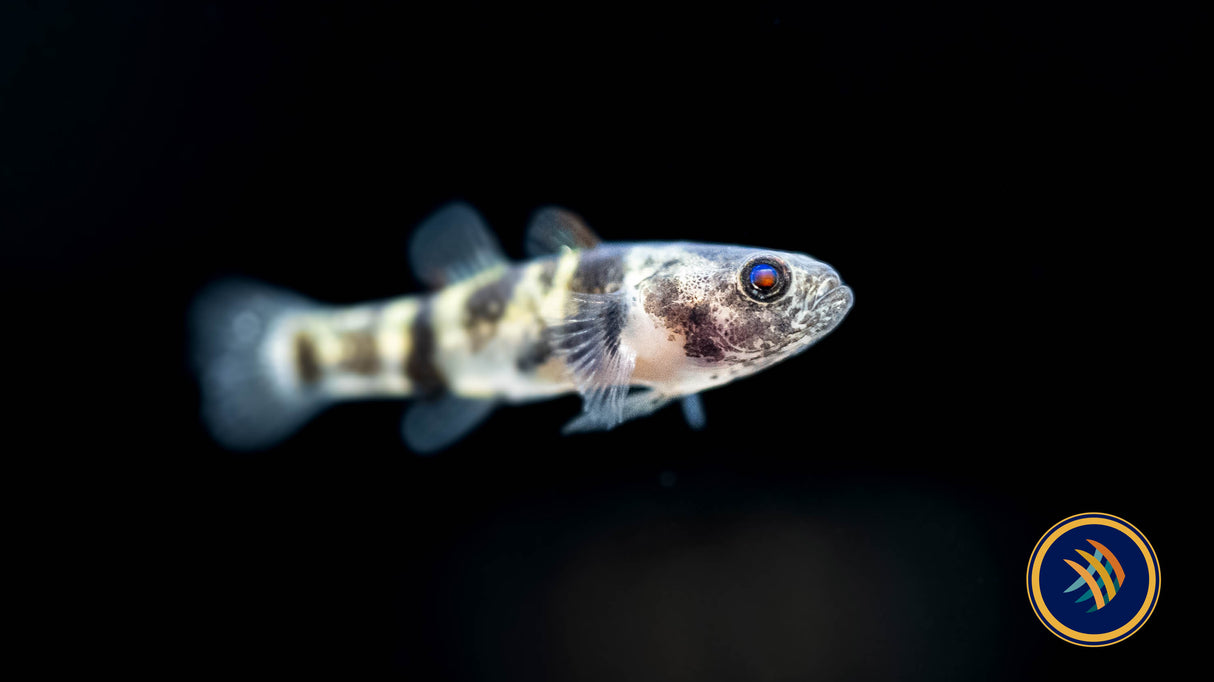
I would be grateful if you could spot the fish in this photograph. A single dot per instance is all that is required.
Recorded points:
(631, 327)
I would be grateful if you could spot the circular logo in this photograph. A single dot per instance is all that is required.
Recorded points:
(1093, 579)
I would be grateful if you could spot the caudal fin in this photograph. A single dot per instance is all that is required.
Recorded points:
(250, 393)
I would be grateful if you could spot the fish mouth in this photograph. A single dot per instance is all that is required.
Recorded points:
(832, 306)
(818, 320)
(838, 299)
(827, 312)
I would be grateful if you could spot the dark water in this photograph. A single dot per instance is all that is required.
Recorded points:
(1007, 189)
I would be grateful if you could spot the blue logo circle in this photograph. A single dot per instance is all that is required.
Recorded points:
(1093, 579)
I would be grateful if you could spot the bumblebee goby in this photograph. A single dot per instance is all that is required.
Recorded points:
(631, 327)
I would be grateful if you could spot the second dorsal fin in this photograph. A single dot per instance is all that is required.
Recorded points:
(453, 244)
(552, 228)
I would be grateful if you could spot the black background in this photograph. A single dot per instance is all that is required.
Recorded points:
(1008, 187)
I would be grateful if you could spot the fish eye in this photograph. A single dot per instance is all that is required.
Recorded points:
(764, 278)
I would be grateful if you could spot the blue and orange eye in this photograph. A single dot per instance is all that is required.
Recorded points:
(764, 278)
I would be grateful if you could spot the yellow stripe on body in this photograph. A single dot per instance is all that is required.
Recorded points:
(394, 338)
(553, 377)
(556, 301)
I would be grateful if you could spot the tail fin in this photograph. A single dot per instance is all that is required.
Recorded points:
(250, 393)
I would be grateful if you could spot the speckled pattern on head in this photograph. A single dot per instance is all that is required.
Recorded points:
(696, 294)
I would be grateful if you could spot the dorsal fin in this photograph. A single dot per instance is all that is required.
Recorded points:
(453, 244)
(552, 228)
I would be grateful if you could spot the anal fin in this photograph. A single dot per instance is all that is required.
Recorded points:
(437, 423)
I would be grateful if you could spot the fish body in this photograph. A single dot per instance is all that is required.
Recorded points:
(629, 326)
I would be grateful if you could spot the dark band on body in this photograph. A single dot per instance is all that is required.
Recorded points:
(486, 305)
(599, 271)
(307, 365)
(547, 273)
(420, 368)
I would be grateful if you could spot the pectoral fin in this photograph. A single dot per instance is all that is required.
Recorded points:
(601, 364)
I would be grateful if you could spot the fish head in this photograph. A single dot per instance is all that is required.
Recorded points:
(729, 311)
